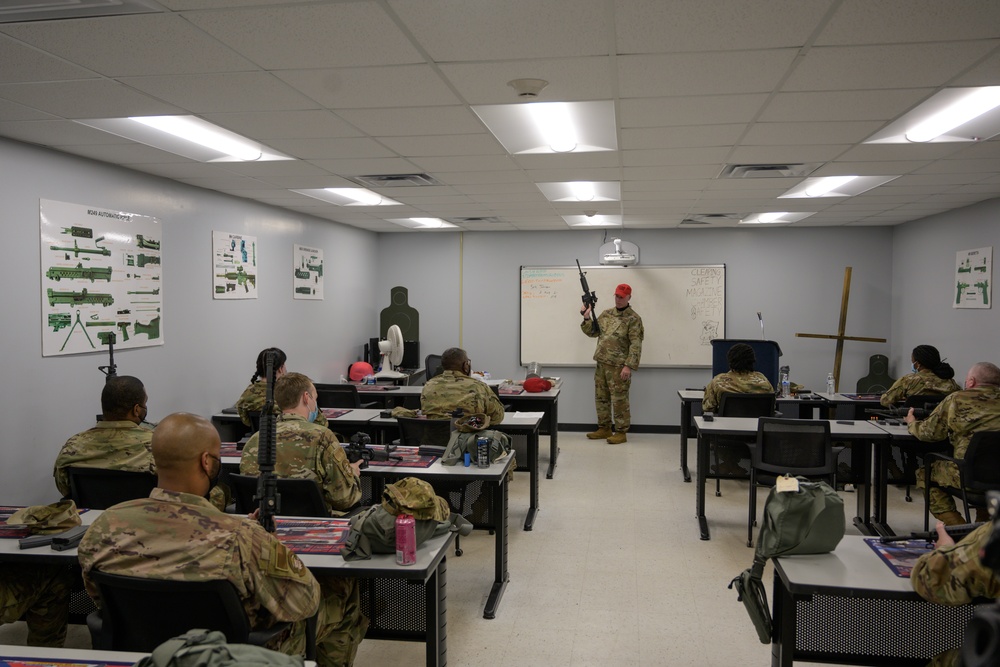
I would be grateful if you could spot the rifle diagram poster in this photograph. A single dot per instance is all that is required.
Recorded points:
(101, 279)
(973, 271)
(307, 268)
(234, 266)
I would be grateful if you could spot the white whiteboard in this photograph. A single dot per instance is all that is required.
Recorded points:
(682, 308)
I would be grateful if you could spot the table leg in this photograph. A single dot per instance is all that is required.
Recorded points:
(702, 462)
(685, 433)
(529, 520)
(863, 517)
(553, 437)
(783, 629)
(501, 575)
(880, 522)
(436, 620)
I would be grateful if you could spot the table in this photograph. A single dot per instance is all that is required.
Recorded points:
(861, 432)
(70, 654)
(846, 407)
(355, 419)
(848, 607)
(495, 478)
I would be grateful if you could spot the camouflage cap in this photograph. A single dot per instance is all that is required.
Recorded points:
(47, 519)
(477, 421)
(414, 497)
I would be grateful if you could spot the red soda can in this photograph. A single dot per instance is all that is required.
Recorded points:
(406, 540)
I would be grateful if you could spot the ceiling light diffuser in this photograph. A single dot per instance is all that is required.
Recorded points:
(423, 223)
(835, 186)
(581, 191)
(595, 220)
(775, 218)
(349, 196)
(187, 136)
(953, 114)
(552, 127)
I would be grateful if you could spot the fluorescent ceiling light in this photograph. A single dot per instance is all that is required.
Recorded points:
(552, 127)
(593, 220)
(775, 218)
(187, 136)
(423, 223)
(953, 114)
(349, 196)
(581, 191)
(835, 186)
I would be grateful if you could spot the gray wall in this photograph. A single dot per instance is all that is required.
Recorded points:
(210, 346)
(466, 288)
(923, 279)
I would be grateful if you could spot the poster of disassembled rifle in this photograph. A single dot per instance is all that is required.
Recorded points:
(234, 266)
(307, 272)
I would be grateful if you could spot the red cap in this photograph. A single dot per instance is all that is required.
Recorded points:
(623, 290)
(536, 384)
(359, 369)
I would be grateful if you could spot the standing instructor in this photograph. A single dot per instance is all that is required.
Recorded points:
(619, 346)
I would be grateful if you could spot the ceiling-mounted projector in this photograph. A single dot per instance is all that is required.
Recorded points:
(619, 253)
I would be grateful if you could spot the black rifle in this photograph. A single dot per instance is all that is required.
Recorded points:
(898, 413)
(267, 484)
(589, 299)
(110, 370)
(956, 533)
(358, 450)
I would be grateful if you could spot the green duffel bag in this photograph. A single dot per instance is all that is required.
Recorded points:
(205, 648)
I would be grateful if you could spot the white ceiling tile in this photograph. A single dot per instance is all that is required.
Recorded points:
(183, 168)
(136, 45)
(666, 185)
(127, 153)
(681, 137)
(312, 123)
(478, 177)
(496, 188)
(23, 63)
(886, 21)
(783, 154)
(673, 156)
(886, 152)
(347, 88)
(57, 133)
(961, 167)
(13, 111)
(362, 167)
(439, 145)
(597, 159)
(561, 175)
(985, 73)
(789, 134)
(235, 91)
(410, 121)
(342, 148)
(875, 168)
(464, 163)
(90, 98)
(273, 171)
(463, 31)
(569, 79)
(671, 173)
(843, 105)
(345, 33)
(689, 111)
(231, 182)
(703, 73)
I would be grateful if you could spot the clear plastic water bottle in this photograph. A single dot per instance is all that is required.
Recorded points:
(343, 380)
(829, 384)
(785, 386)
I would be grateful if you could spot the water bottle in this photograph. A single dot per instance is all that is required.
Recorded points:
(483, 452)
(343, 380)
(829, 384)
(785, 386)
(406, 540)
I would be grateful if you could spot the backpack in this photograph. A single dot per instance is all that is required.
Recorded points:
(807, 521)
(459, 443)
(205, 648)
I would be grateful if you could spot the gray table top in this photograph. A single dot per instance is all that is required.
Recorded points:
(748, 425)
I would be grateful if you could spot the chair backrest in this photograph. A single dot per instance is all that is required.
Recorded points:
(139, 614)
(337, 396)
(99, 489)
(299, 497)
(432, 365)
(415, 432)
(733, 404)
(982, 462)
(794, 446)
(254, 420)
(927, 401)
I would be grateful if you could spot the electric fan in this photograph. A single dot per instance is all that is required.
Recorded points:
(392, 353)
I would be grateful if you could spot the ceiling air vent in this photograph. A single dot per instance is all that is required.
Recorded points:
(490, 219)
(710, 218)
(769, 170)
(395, 180)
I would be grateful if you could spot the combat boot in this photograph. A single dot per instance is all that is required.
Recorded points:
(601, 433)
(952, 518)
(618, 438)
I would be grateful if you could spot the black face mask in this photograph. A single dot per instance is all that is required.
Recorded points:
(213, 479)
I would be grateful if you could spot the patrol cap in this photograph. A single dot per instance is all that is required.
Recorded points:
(534, 385)
(623, 290)
(473, 423)
(359, 369)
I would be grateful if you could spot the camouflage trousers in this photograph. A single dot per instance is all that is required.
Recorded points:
(611, 395)
(40, 593)
(943, 473)
(340, 625)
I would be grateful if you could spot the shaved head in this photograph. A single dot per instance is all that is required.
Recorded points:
(180, 439)
(985, 373)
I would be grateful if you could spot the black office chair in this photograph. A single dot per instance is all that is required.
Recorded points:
(732, 404)
(254, 420)
(978, 473)
(299, 497)
(139, 614)
(908, 457)
(432, 366)
(340, 396)
(789, 447)
(99, 489)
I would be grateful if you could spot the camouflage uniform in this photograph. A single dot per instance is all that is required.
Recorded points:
(252, 400)
(737, 383)
(173, 535)
(954, 575)
(307, 450)
(921, 382)
(40, 593)
(450, 390)
(956, 418)
(117, 445)
(618, 344)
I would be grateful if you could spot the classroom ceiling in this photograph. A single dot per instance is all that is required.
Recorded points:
(366, 87)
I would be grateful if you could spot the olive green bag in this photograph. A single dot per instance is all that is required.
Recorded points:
(204, 648)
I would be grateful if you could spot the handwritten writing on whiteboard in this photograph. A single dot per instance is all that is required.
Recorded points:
(540, 284)
(706, 294)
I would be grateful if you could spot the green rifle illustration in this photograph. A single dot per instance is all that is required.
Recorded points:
(76, 249)
(255, 253)
(78, 297)
(79, 272)
(152, 329)
(241, 277)
(318, 268)
(101, 323)
(73, 328)
(303, 290)
(220, 289)
(304, 275)
(143, 260)
(82, 232)
(124, 327)
(59, 321)
(106, 337)
(964, 267)
(984, 286)
(143, 243)
(153, 291)
(961, 286)
(981, 269)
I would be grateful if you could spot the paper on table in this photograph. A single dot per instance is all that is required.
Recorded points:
(529, 415)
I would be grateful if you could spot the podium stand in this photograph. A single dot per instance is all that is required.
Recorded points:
(766, 351)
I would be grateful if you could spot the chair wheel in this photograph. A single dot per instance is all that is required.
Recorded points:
(458, 552)
(491, 532)
(718, 494)
(909, 499)
(749, 544)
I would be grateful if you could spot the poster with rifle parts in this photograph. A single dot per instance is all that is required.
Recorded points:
(307, 272)
(101, 279)
(234, 266)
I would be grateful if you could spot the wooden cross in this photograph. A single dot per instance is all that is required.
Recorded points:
(840, 337)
